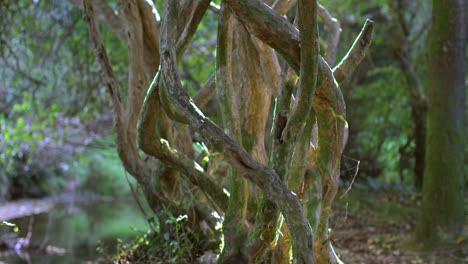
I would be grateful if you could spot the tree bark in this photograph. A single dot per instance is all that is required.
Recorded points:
(441, 211)
(234, 229)
(139, 30)
(182, 108)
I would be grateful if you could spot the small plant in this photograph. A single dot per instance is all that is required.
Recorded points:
(200, 148)
(174, 244)
(15, 228)
(181, 246)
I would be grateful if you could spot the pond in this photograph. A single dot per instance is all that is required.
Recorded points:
(76, 230)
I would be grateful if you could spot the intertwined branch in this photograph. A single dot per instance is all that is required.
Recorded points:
(318, 99)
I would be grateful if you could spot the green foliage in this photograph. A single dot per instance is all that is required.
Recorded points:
(354, 6)
(25, 126)
(174, 244)
(378, 96)
(50, 88)
(182, 244)
(383, 121)
(208, 154)
(100, 170)
(45, 50)
(28, 133)
(388, 207)
(198, 62)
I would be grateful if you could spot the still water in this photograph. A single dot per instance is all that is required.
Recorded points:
(78, 228)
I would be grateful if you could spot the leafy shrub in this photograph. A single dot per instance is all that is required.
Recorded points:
(37, 147)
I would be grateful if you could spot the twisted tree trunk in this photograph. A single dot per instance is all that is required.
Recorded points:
(247, 73)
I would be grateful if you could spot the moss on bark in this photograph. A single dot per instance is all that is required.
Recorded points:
(441, 213)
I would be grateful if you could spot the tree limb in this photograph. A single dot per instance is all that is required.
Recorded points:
(282, 36)
(126, 142)
(107, 16)
(355, 55)
(102, 58)
(333, 26)
(308, 32)
(270, 27)
(152, 142)
(136, 167)
(283, 6)
(150, 29)
(262, 176)
(191, 27)
(184, 11)
(280, 155)
(233, 226)
(206, 92)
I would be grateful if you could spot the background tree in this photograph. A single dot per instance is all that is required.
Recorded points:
(402, 35)
(442, 211)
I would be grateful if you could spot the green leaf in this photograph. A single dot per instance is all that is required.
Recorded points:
(197, 146)
(24, 106)
(17, 107)
(191, 92)
(20, 125)
(7, 223)
(205, 160)
(338, 116)
(52, 119)
(182, 217)
(27, 137)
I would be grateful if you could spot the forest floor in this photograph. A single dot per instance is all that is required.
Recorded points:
(376, 227)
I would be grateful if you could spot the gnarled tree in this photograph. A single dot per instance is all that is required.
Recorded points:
(294, 174)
